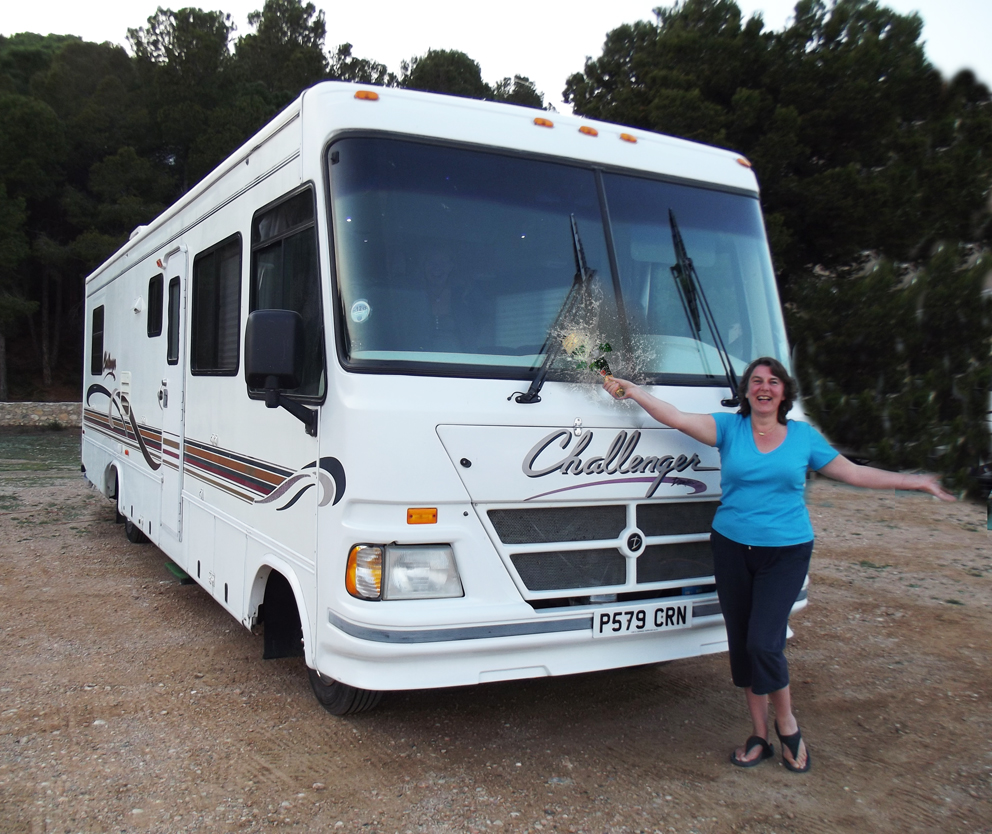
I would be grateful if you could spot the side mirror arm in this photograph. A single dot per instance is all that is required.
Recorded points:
(274, 398)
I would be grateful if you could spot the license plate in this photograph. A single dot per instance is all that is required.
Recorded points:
(658, 616)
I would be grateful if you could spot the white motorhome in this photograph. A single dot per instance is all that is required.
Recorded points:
(337, 384)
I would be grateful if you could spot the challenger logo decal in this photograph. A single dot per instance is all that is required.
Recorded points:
(619, 459)
(118, 402)
(329, 474)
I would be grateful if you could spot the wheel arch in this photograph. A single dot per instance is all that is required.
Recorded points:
(275, 566)
(113, 480)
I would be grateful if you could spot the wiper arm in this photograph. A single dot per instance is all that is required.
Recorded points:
(693, 302)
(552, 346)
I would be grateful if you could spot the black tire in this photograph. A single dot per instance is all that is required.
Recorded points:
(133, 532)
(339, 698)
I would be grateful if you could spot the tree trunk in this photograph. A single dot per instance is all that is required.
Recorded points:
(46, 359)
(3, 368)
(57, 329)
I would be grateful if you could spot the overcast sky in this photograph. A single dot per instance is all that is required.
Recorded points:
(546, 40)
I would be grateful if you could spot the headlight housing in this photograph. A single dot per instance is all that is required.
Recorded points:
(393, 572)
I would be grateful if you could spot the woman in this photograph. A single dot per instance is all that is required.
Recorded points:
(762, 538)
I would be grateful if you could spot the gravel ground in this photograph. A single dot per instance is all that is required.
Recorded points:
(133, 703)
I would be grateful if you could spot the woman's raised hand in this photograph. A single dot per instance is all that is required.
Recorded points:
(931, 484)
(618, 388)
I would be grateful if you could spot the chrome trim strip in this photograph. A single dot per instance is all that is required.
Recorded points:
(441, 635)
(707, 609)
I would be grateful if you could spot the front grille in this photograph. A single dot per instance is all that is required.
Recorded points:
(676, 519)
(559, 569)
(558, 524)
(665, 562)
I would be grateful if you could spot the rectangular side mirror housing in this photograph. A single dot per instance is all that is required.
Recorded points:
(274, 349)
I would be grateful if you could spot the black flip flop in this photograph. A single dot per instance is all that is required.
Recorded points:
(792, 742)
(767, 751)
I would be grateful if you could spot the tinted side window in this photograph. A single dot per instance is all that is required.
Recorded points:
(216, 310)
(172, 355)
(155, 305)
(96, 343)
(285, 276)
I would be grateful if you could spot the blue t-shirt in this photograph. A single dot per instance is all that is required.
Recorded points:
(763, 503)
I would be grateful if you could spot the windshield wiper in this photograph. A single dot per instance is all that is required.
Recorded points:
(693, 302)
(552, 346)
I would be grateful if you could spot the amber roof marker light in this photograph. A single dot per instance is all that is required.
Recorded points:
(629, 137)
(367, 95)
(541, 122)
(585, 130)
(742, 161)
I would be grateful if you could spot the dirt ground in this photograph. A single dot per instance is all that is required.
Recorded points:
(132, 703)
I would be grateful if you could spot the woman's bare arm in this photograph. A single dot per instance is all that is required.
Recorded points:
(841, 469)
(701, 427)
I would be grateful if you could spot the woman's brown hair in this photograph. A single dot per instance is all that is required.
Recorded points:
(789, 387)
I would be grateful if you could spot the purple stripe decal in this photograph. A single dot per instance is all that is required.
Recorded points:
(697, 486)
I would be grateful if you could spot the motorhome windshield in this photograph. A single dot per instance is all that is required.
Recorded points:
(457, 261)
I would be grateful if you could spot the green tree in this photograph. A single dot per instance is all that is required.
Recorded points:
(183, 60)
(32, 157)
(286, 51)
(93, 89)
(455, 74)
(344, 66)
(445, 71)
(13, 252)
(895, 362)
(518, 90)
(25, 55)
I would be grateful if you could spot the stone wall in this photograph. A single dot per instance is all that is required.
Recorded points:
(39, 415)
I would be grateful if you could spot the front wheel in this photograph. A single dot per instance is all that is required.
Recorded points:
(340, 698)
(133, 532)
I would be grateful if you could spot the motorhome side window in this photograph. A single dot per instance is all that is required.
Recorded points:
(96, 344)
(154, 326)
(216, 310)
(172, 353)
(285, 276)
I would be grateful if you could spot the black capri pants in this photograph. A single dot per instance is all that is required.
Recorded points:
(757, 587)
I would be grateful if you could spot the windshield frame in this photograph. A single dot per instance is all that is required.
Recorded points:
(466, 370)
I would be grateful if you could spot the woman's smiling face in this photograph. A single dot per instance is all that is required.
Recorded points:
(764, 391)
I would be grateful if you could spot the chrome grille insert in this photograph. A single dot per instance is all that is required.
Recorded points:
(544, 525)
(665, 562)
(558, 569)
(677, 518)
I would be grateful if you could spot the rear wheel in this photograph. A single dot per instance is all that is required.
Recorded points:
(339, 698)
(133, 532)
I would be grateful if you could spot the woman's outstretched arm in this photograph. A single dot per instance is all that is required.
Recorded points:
(701, 427)
(841, 469)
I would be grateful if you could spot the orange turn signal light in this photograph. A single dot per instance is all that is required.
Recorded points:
(367, 95)
(421, 515)
(543, 122)
(588, 131)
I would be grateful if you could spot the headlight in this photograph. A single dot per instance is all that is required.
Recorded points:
(421, 572)
(394, 572)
